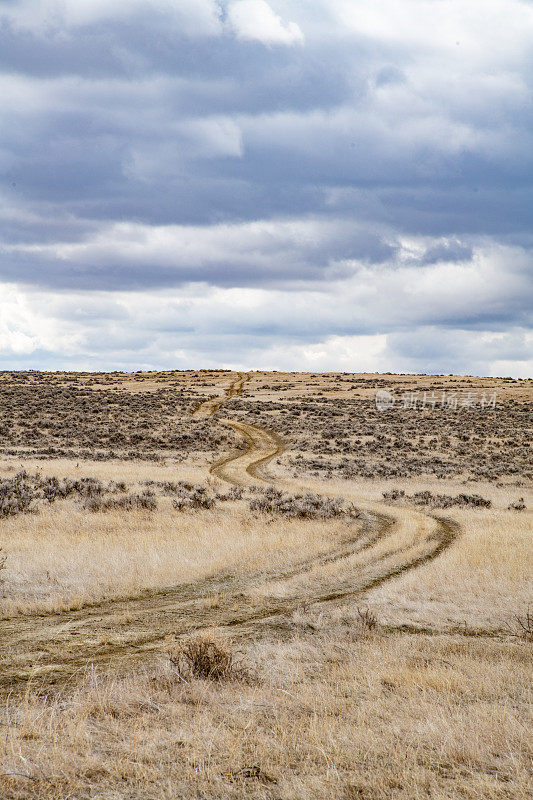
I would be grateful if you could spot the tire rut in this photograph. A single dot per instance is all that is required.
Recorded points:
(210, 406)
(52, 648)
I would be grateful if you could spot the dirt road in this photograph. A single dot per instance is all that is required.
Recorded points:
(208, 407)
(54, 648)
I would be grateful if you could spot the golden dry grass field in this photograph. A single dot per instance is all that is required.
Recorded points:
(234, 585)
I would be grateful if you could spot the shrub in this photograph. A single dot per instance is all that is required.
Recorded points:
(394, 495)
(20, 493)
(426, 498)
(167, 487)
(367, 619)
(235, 493)
(523, 626)
(17, 495)
(207, 659)
(3, 559)
(518, 505)
(302, 506)
(192, 497)
(53, 489)
(145, 501)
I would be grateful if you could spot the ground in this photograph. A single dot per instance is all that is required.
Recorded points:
(367, 571)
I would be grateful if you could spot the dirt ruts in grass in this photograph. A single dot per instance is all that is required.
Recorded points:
(50, 649)
(208, 407)
(261, 447)
(54, 648)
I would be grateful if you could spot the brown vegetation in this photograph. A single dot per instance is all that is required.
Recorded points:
(224, 585)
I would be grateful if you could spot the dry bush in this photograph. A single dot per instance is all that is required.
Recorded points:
(17, 495)
(3, 559)
(234, 493)
(192, 497)
(427, 498)
(206, 659)
(518, 505)
(54, 488)
(367, 619)
(522, 626)
(133, 502)
(22, 493)
(166, 487)
(301, 506)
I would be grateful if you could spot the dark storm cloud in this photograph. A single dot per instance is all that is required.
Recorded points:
(141, 142)
(131, 258)
(448, 251)
(311, 118)
(216, 75)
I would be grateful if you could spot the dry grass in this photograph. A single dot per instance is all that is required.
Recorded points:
(407, 540)
(333, 715)
(65, 557)
(417, 688)
(481, 582)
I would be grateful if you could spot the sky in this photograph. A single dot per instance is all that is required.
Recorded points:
(293, 184)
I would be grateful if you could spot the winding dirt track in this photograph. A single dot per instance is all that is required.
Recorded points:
(55, 648)
(208, 407)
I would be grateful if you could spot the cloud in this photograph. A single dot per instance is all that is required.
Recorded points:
(448, 250)
(25, 330)
(49, 17)
(133, 255)
(183, 180)
(254, 20)
(464, 352)
(248, 329)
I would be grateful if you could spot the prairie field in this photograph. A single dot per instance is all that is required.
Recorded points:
(227, 585)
